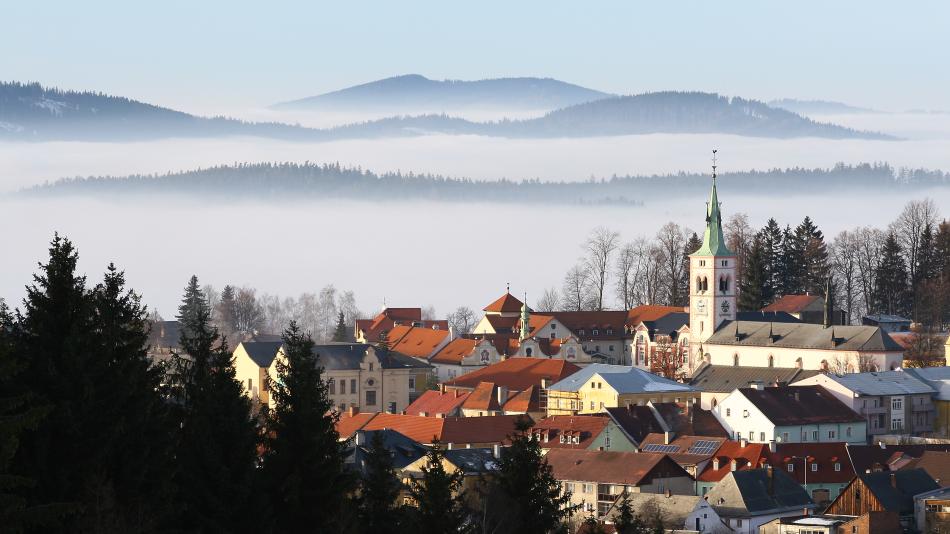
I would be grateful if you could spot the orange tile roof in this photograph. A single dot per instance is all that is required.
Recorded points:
(650, 312)
(517, 373)
(526, 401)
(348, 424)
(455, 351)
(752, 456)
(791, 303)
(414, 427)
(629, 468)
(456, 430)
(415, 341)
(495, 429)
(482, 398)
(390, 317)
(823, 455)
(436, 402)
(551, 428)
(507, 303)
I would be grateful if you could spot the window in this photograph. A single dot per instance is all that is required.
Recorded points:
(837, 466)
(751, 436)
(897, 403)
(250, 385)
(610, 331)
(762, 436)
(484, 356)
(580, 332)
(738, 521)
(847, 431)
(725, 263)
(554, 326)
(831, 434)
(785, 437)
(595, 332)
(392, 407)
(735, 360)
(568, 487)
(607, 441)
(371, 398)
(814, 466)
(728, 412)
(591, 405)
(588, 488)
(371, 364)
(342, 387)
(791, 468)
(352, 385)
(600, 385)
(412, 383)
(771, 361)
(814, 435)
(897, 423)
(610, 348)
(331, 384)
(527, 352)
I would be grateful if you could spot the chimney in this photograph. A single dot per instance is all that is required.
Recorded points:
(733, 464)
(545, 383)
(424, 414)
(448, 446)
(441, 388)
(440, 416)
(502, 395)
(668, 493)
(755, 384)
(771, 480)
(772, 446)
(353, 410)
(667, 437)
(894, 480)
(805, 511)
(496, 450)
(743, 443)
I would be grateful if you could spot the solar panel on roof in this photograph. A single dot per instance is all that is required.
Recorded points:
(656, 447)
(703, 446)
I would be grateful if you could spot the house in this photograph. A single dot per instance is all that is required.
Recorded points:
(806, 308)
(463, 355)
(892, 402)
(662, 344)
(823, 469)
(637, 422)
(402, 450)
(371, 330)
(887, 323)
(716, 382)
(524, 379)
(417, 342)
(163, 337)
(690, 452)
(475, 464)
(881, 457)
(884, 491)
(869, 523)
(935, 463)
(671, 511)
(594, 479)
(789, 414)
(602, 334)
(600, 386)
(938, 378)
(468, 354)
(932, 510)
(581, 432)
(746, 500)
(729, 457)
(488, 399)
(688, 419)
(357, 374)
(452, 432)
(438, 403)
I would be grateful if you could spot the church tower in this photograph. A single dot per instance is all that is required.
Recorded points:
(712, 281)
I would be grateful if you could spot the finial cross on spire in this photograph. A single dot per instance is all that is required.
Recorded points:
(507, 287)
(714, 161)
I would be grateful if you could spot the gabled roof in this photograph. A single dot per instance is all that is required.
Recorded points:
(390, 317)
(866, 458)
(472, 461)
(348, 424)
(768, 317)
(585, 427)
(456, 430)
(936, 464)
(588, 321)
(262, 353)
(628, 468)
(416, 342)
(726, 378)
(750, 493)
(525, 401)
(685, 450)
(507, 303)
(623, 378)
(800, 405)
(882, 383)
(455, 351)
(436, 402)
(822, 455)
(683, 418)
(348, 356)
(937, 378)
(403, 451)
(636, 421)
(803, 336)
(650, 312)
(793, 303)
(751, 456)
(482, 398)
(517, 373)
(898, 494)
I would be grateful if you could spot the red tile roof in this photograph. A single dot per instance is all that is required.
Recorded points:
(588, 321)
(414, 427)
(586, 427)
(791, 303)
(433, 403)
(482, 398)
(455, 351)
(507, 303)
(824, 455)
(526, 401)
(494, 429)
(416, 342)
(349, 424)
(936, 464)
(650, 312)
(390, 317)
(517, 374)
(752, 456)
(629, 468)
(455, 430)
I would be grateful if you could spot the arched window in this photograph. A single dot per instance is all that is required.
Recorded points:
(723, 284)
(705, 284)
(771, 361)
(735, 360)
(527, 352)
(699, 284)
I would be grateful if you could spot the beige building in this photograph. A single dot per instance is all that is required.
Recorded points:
(358, 375)
(599, 386)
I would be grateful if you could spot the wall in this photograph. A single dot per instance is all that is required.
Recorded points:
(788, 357)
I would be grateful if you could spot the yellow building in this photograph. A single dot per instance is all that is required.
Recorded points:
(358, 375)
(600, 386)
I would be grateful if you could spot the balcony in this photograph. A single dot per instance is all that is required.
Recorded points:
(870, 410)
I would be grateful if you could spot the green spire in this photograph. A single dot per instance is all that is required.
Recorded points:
(525, 320)
(714, 244)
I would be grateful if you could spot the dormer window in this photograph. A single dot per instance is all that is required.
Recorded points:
(610, 331)
(581, 332)
(596, 332)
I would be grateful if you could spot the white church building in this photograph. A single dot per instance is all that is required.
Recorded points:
(720, 335)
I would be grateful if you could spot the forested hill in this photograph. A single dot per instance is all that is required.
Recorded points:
(34, 113)
(664, 112)
(415, 93)
(291, 181)
(818, 107)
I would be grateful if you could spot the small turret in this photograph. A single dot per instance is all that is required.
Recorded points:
(525, 320)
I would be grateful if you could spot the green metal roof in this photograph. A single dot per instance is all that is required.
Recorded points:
(714, 244)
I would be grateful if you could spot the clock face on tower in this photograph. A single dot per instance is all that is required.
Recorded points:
(725, 306)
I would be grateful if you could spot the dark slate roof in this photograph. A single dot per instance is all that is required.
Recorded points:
(726, 378)
(745, 493)
(473, 461)
(764, 316)
(262, 352)
(875, 458)
(909, 482)
(403, 450)
(803, 336)
(347, 356)
(690, 420)
(800, 405)
(668, 324)
(636, 421)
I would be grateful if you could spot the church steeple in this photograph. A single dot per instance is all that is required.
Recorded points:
(714, 243)
(525, 320)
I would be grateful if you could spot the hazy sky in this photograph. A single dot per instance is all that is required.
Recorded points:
(221, 55)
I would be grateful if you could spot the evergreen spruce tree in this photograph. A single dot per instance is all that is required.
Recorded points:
(380, 513)
(302, 471)
(524, 496)
(225, 314)
(789, 269)
(814, 256)
(383, 342)
(774, 261)
(756, 291)
(19, 412)
(440, 502)
(626, 521)
(340, 334)
(891, 294)
(217, 450)
(925, 286)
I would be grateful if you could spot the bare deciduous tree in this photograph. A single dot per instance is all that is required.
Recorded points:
(845, 252)
(550, 300)
(870, 242)
(670, 239)
(428, 313)
(248, 313)
(651, 286)
(910, 225)
(628, 270)
(574, 292)
(461, 321)
(600, 246)
(739, 236)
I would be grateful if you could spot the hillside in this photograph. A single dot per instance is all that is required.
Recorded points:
(818, 107)
(417, 94)
(295, 182)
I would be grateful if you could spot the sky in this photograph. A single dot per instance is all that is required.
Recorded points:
(214, 56)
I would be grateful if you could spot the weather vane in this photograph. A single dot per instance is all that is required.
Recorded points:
(714, 161)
